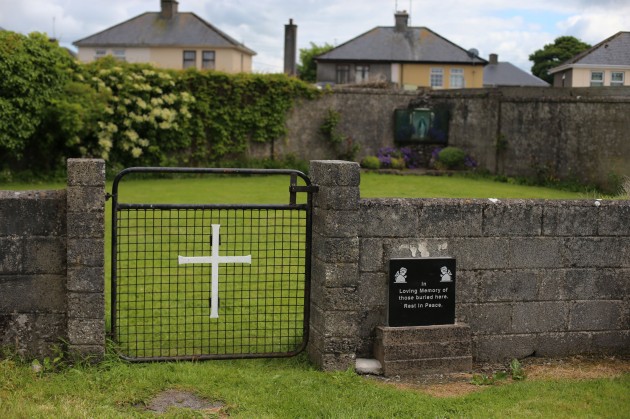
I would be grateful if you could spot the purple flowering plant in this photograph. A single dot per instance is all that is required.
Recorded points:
(410, 156)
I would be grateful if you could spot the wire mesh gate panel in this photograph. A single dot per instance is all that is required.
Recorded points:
(207, 281)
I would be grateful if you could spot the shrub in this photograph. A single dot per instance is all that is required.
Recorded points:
(33, 72)
(452, 157)
(371, 162)
(410, 157)
(398, 163)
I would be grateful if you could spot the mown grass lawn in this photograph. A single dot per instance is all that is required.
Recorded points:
(286, 388)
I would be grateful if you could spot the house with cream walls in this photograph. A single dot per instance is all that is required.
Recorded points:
(409, 57)
(169, 39)
(605, 64)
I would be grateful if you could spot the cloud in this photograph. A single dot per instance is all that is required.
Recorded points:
(595, 27)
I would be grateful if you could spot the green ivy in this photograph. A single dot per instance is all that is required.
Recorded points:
(231, 110)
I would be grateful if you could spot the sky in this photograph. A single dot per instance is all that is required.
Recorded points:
(513, 29)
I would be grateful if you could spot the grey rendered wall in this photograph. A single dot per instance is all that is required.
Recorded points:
(52, 265)
(548, 278)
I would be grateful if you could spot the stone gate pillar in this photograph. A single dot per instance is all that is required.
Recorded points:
(334, 324)
(86, 257)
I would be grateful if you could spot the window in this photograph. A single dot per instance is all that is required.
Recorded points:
(99, 53)
(437, 77)
(457, 78)
(207, 60)
(617, 78)
(190, 59)
(597, 78)
(362, 73)
(343, 74)
(119, 54)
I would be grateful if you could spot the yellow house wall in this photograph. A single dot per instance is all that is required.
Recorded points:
(418, 75)
(226, 60)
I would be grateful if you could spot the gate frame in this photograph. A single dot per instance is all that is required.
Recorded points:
(294, 189)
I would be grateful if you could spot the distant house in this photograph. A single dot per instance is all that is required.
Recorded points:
(169, 39)
(605, 64)
(409, 57)
(502, 73)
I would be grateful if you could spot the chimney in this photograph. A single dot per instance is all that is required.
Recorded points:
(402, 20)
(290, 42)
(169, 8)
(494, 59)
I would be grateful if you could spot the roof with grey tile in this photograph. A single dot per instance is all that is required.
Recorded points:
(611, 51)
(413, 44)
(151, 30)
(507, 74)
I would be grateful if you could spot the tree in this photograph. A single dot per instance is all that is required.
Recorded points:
(307, 69)
(552, 55)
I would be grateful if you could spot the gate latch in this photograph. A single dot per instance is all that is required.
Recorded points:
(295, 189)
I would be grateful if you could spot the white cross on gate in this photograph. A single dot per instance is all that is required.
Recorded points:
(214, 260)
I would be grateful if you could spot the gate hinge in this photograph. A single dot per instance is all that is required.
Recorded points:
(108, 196)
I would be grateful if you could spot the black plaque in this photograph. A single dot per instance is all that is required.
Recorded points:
(421, 292)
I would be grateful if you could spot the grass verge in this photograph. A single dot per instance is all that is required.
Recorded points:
(281, 388)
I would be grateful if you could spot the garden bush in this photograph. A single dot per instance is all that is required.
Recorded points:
(398, 163)
(410, 157)
(451, 158)
(33, 72)
(371, 162)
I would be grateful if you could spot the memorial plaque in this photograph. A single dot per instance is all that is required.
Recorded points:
(421, 292)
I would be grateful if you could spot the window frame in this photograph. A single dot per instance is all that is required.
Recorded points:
(208, 64)
(342, 74)
(457, 74)
(436, 73)
(119, 54)
(614, 82)
(189, 62)
(594, 82)
(361, 73)
(100, 53)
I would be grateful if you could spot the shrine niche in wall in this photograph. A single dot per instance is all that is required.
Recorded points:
(422, 122)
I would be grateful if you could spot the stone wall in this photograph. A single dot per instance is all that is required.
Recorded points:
(579, 133)
(548, 278)
(52, 265)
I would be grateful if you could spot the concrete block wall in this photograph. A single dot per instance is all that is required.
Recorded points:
(32, 270)
(52, 265)
(548, 278)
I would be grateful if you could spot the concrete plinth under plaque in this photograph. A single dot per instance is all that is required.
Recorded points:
(423, 350)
